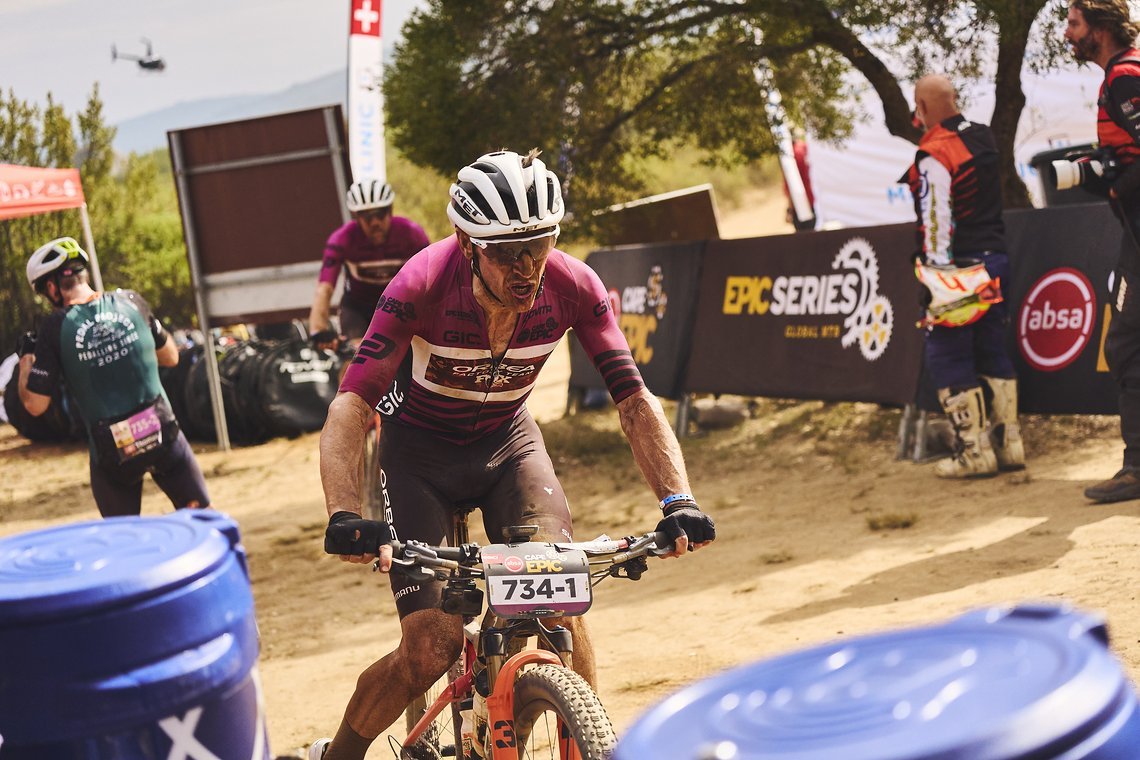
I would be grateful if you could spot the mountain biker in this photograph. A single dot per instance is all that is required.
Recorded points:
(370, 248)
(107, 347)
(481, 312)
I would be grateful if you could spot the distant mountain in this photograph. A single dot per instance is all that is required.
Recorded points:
(144, 133)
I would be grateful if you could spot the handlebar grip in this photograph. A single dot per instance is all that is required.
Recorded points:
(664, 545)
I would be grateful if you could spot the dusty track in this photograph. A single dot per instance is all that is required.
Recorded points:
(797, 562)
(793, 492)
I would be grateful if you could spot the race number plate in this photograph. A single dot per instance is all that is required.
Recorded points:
(137, 434)
(535, 580)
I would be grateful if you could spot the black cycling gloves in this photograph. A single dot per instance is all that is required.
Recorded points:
(686, 518)
(26, 344)
(349, 533)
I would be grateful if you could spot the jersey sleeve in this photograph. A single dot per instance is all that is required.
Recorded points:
(157, 330)
(598, 332)
(47, 372)
(332, 259)
(1124, 91)
(396, 319)
(934, 210)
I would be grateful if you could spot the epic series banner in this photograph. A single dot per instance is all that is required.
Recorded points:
(831, 315)
(827, 315)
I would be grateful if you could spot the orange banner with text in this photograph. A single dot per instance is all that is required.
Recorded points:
(28, 190)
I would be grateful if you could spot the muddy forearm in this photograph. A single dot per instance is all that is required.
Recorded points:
(655, 447)
(342, 442)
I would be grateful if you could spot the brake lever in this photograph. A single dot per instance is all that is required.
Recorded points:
(632, 568)
(412, 570)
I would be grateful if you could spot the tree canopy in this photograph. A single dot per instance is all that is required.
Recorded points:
(602, 84)
(131, 202)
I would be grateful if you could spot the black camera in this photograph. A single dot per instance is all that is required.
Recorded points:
(26, 344)
(1094, 168)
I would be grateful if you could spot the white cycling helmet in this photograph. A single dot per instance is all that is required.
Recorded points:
(369, 194)
(51, 257)
(504, 195)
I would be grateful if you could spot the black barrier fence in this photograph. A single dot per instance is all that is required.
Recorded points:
(831, 315)
(61, 421)
(269, 389)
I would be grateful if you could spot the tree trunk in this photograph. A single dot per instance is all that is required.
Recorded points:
(1009, 98)
(828, 30)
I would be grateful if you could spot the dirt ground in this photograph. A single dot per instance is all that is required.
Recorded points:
(800, 491)
(795, 491)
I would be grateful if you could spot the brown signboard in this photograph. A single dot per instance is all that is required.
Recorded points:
(259, 198)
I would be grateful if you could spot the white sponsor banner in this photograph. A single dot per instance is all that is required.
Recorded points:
(365, 95)
(856, 183)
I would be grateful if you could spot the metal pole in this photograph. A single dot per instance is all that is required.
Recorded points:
(920, 452)
(906, 433)
(89, 239)
(213, 375)
(681, 425)
(336, 150)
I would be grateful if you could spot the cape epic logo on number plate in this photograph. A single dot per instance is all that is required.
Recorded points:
(1056, 319)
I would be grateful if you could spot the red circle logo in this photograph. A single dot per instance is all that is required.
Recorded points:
(514, 564)
(614, 298)
(1056, 319)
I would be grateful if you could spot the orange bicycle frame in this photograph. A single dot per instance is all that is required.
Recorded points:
(500, 708)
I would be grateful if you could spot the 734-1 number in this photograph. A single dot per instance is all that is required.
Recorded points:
(529, 588)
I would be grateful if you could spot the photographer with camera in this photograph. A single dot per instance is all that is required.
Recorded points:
(1102, 32)
(961, 249)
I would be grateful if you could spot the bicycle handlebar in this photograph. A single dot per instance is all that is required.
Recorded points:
(413, 555)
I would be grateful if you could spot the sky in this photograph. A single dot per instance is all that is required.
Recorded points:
(212, 48)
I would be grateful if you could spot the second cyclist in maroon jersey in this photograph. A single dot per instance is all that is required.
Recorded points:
(370, 249)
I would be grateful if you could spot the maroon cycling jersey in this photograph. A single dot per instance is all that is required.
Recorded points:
(348, 248)
(449, 382)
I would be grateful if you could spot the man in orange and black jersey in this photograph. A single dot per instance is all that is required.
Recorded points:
(957, 198)
(1102, 32)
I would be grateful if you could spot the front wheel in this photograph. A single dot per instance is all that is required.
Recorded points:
(556, 712)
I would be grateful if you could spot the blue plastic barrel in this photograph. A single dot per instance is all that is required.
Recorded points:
(129, 638)
(1030, 682)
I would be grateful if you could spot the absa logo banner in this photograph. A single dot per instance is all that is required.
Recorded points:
(1056, 319)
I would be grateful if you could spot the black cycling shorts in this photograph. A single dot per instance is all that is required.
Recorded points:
(118, 488)
(423, 480)
(354, 319)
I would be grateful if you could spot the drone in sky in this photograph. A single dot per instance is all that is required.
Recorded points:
(148, 62)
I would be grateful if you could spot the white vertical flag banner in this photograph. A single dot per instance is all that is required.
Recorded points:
(365, 95)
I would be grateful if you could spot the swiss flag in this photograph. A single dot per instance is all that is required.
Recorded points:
(365, 18)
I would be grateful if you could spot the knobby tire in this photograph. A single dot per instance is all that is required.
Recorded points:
(549, 695)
